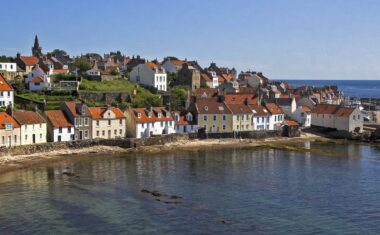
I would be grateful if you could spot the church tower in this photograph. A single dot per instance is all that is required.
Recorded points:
(36, 49)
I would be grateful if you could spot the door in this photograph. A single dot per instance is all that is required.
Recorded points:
(59, 138)
(109, 134)
(81, 135)
(34, 138)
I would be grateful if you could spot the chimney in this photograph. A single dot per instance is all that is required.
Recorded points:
(18, 55)
(9, 110)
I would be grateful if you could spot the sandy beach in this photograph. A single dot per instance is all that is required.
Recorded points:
(10, 163)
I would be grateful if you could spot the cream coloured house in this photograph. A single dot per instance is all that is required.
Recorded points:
(107, 123)
(32, 127)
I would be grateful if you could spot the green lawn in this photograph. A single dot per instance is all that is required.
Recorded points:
(118, 85)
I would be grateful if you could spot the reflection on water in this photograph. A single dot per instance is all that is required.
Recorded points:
(230, 191)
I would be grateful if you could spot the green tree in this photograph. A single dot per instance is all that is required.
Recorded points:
(82, 64)
(172, 78)
(178, 96)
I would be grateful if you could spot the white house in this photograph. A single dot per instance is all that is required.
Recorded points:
(172, 65)
(33, 127)
(277, 116)
(150, 74)
(93, 72)
(302, 115)
(143, 123)
(59, 127)
(6, 93)
(185, 123)
(215, 80)
(261, 118)
(337, 117)
(38, 79)
(8, 70)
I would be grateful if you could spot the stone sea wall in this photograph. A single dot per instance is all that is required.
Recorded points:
(123, 143)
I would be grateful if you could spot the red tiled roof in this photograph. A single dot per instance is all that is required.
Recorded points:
(259, 110)
(4, 85)
(6, 118)
(220, 79)
(37, 80)
(29, 60)
(97, 112)
(325, 109)
(240, 98)
(274, 108)
(182, 119)
(72, 106)
(60, 71)
(205, 77)
(210, 92)
(57, 118)
(305, 109)
(344, 112)
(211, 106)
(239, 108)
(151, 64)
(28, 117)
(153, 118)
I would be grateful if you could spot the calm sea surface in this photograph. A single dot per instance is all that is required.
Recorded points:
(357, 88)
(228, 191)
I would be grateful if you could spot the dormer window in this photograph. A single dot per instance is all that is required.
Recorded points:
(189, 117)
(159, 114)
(138, 115)
(167, 114)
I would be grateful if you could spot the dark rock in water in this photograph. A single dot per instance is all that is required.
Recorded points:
(225, 222)
(156, 194)
(68, 174)
(175, 197)
(145, 191)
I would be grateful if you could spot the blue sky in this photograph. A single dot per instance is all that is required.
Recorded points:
(286, 39)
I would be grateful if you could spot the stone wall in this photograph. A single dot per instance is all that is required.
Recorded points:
(124, 143)
(108, 97)
(28, 104)
(242, 135)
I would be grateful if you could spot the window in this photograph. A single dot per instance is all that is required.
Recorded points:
(205, 117)
(60, 130)
(242, 127)
(358, 117)
(97, 133)
(143, 125)
(97, 123)
(238, 117)
(302, 114)
(26, 127)
(257, 119)
(162, 124)
(237, 127)
(86, 121)
(121, 131)
(103, 133)
(247, 127)
(275, 118)
(15, 137)
(86, 134)
(69, 129)
(115, 132)
(262, 119)
(121, 121)
(109, 122)
(76, 122)
(40, 136)
(3, 140)
(214, 117)
(26, 137)
(224, 117)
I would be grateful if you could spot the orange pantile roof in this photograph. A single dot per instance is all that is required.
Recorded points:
(37, 80)
(240, 98)
(29, 60)
(154, 116)
(290, 123)
(4, 85)
(274, 108)
(325, 109)
(28, 117)
(60, 70)
(6, 118)
(58, 118)
(178, 62)
(182, 120)
(305, 109)
(220, 79)
(97, 112)
(151, 64)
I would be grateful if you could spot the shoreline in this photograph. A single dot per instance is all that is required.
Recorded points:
(12, 163)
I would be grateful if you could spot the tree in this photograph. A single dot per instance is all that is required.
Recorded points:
(82, 64)
(178, 97)
(172, 79)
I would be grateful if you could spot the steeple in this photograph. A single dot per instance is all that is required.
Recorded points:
(36, 49)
